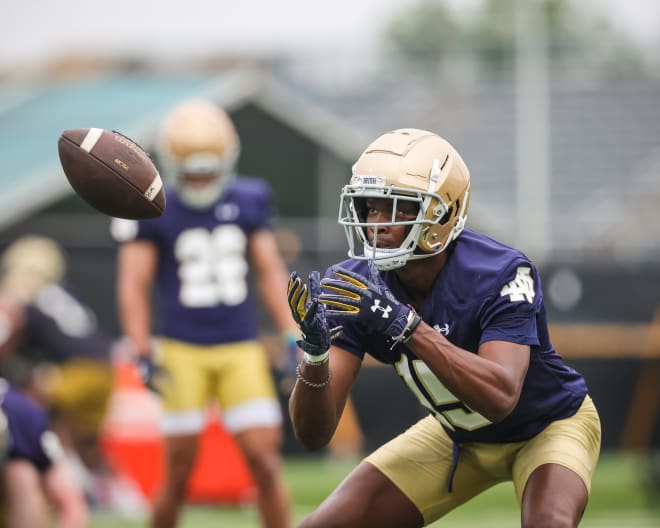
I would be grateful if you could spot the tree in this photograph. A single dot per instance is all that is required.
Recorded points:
(428, 34)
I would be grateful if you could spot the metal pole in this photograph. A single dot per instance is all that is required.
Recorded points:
(534, 235)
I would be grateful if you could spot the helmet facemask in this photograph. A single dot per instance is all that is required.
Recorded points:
(442, 201)
(200, 179)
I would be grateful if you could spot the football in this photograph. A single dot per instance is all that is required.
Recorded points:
(111, 173)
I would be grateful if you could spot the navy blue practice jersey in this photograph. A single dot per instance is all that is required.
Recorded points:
(59, 327)
(487, 291)
(203, 269)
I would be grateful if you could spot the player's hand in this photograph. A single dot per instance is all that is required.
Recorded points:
(347, 294)
(309, 315)
(150, 372)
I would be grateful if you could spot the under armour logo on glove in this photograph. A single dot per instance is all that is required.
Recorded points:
(386, 311)
(347, 294)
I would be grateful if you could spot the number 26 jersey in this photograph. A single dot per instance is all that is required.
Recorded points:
(203, 294)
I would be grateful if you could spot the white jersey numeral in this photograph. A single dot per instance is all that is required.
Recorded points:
(433, 395)
(212, 266)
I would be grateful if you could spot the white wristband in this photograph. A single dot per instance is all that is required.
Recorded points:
(316, 360)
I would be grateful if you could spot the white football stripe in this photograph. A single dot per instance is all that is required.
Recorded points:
(91, 139)
(154, 188)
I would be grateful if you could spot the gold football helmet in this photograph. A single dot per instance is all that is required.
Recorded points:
(30, 263)
(416, 166)
(198, 148)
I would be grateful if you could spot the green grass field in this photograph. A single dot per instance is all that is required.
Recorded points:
(620, 499)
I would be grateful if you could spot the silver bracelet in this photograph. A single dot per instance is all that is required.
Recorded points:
(299, 376)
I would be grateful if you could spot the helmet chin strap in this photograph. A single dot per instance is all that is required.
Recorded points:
(386, 259)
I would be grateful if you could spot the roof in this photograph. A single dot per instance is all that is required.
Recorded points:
(603, 137)
(32, 117)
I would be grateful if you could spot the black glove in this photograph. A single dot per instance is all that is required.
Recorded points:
(309, 315)
(150, 373)
(350, 295)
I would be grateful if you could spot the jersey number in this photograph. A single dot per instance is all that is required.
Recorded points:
(433, 395)
(212, 266)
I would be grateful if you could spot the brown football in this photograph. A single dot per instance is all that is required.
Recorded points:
(112, 173)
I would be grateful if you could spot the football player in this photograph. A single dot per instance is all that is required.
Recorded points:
(461, 318)
(214, 236)
(54, 349)
(35, 477)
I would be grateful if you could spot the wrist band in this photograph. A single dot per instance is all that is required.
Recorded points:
(310, 384)
(411, 325)
(316, 360)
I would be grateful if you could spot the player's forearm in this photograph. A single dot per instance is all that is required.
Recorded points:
(313, 413)
(135, 316)
(483, 385)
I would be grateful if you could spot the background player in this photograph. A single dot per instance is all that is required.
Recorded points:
(214, 232)
(55, 350)
(35, 478)
(461, 318)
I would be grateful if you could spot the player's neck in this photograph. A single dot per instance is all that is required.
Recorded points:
(417, 276)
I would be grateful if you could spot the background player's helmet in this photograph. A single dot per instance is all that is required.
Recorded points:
(412, 165)
(30, 263)
(197, 148)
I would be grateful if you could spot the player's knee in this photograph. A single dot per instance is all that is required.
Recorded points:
(265, 467)
(549, 518)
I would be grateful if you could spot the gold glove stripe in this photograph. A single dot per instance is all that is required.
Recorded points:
(300, 307)
(350, 279)
(343, 307)
(291, 285)
(296, 290)
(342, 291)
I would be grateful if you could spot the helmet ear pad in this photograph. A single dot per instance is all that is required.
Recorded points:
(435, 238)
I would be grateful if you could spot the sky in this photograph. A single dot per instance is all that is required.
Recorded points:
(32, 31)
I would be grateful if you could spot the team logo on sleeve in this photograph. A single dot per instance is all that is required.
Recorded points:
(521, 288)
